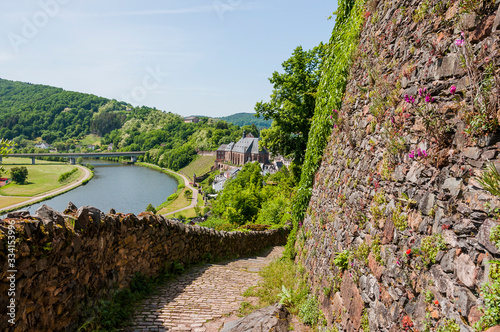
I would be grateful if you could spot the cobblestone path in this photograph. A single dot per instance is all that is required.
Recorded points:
(200, 295)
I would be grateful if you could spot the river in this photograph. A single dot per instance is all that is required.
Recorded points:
(125, 188)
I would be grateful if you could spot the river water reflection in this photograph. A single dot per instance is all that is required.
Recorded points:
(125, 188)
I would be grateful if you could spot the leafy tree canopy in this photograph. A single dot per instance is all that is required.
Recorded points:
(246, 199)
(292, 103)
(19, 174)
(5, 149)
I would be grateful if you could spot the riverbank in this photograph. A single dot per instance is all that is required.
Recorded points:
(10, 203)
(183, 184)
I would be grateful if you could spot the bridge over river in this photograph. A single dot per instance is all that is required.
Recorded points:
(73, 156)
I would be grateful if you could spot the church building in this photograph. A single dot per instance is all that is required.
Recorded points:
(245, 150)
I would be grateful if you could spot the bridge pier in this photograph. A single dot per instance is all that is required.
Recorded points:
(72, 161)
(133, 159)
(32, 160)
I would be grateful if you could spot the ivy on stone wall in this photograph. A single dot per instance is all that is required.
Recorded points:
(343, 43)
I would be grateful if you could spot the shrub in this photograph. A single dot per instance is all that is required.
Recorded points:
(310, 313)
(430, 247)
(399, 217)
(490, 179)
(281, 282)
(342, 259)
(19, 174)
(218, 224)
(63, 177)
(172, 197)
(150, 208)
(449, 325)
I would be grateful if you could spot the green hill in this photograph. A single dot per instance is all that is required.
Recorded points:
(72, 120)
(31, 111)
(247, 119)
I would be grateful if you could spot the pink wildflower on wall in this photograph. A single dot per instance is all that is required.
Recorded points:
(409, 99)
(453, 89)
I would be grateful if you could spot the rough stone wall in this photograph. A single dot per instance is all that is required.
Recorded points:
(67, 262)
(416, 224)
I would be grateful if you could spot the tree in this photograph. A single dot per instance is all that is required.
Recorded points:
(292, 103)
(19, 174)
(150, 208)
(240, 200)
(5, 149)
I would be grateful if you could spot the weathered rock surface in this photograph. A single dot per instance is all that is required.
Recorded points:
(272, 318)
(48, 215)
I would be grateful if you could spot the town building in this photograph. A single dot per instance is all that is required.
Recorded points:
(43, 146)
(220, 180)
(245, 150)
(191, 119)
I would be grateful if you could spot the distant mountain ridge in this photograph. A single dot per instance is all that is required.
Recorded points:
(243, 119)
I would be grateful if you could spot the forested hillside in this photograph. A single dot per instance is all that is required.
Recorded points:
(31, 113)
(247, 119)
(169, 141)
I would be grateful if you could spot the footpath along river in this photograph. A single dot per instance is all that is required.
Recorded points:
(125, 188)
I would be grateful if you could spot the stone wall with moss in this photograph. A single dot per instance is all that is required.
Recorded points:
(67, 262)
(397, 232)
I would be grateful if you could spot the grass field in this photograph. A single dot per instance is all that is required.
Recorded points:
(90, 140)
(8, 201)
(199, 166)
(27, 161)
(41, 178)
(180, 202)
(190, 213)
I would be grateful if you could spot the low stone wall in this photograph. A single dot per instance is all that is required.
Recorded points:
(64, 262)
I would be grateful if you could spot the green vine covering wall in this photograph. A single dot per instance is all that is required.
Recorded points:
(343, 43)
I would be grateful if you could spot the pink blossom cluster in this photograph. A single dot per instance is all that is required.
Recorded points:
(409, 99)
(423, 92)
(461, 41)
(418, 153)
(429, 99)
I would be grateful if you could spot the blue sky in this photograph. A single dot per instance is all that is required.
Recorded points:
(198, 57)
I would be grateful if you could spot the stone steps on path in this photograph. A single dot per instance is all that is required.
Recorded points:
(200, 295)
